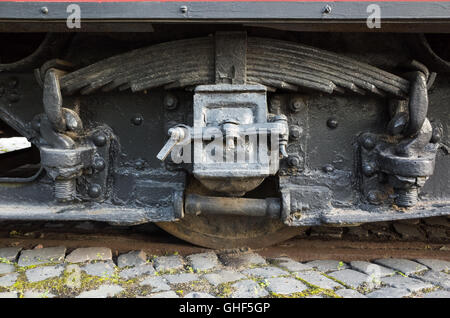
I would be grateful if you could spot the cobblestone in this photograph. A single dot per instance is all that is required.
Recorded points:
(140, 270)
(73, 276)
(132, 258)
(242, 260)
(349, 293)
(389, 292)
(8, 295)
(9, 253)
(198, 295)
(8, 280)
(157, 283)
(327, 265)
(248, 289)
(103, 291)
(168, 263)
(87, 254)
(405, 266)
(6, 268)
(42, 256)
(265, 272)
(42, 273)
(436, 278)
(290, 265)
(241, 274)
(351, 278)
(203, 261)
(411, 284)
(180, 278)
(101, 269)
(435, 264)
(437, 294)
(373, 270)
(167, 294)
(316, 279)
(223, 276)
(285, 285)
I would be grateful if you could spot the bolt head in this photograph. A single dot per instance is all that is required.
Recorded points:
(170, 102)
(374, 197)
(368, 142)
(137, 120)
(94, 190)
(99, 139)
(294, 161)
(13, 97)
(295, 132)
(44, 10)
(437, 135)
(326, 9)
(296, 105)
(369, 169)
(139, 164)
(183, 9)
(332, 123)
(99, 164)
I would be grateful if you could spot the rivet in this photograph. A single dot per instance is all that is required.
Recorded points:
(44, 10)
(332, 123)
(183, 9)
(437, 135)
(137, 120)
(326, 9)
(99, 139)
(94, 190)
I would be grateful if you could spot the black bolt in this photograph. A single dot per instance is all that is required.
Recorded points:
(170, 101)
(296, 105)
(183, 9)
(139, 164)
(99, 139)
(437, 135)
(44, 10)
(94, 190)
(368, 169)
(294, 161)
(332, 123)
(368, 142)
(328, 168)
(295, 132)
(137, 120)
(326, 9)
(13, 97)
(373, 197)
(99, 164)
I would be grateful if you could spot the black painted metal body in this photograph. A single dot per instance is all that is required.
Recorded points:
(355, 153)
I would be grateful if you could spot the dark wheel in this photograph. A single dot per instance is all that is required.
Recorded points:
(220, 232)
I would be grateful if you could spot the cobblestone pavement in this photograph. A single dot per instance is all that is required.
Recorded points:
(95, 273)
